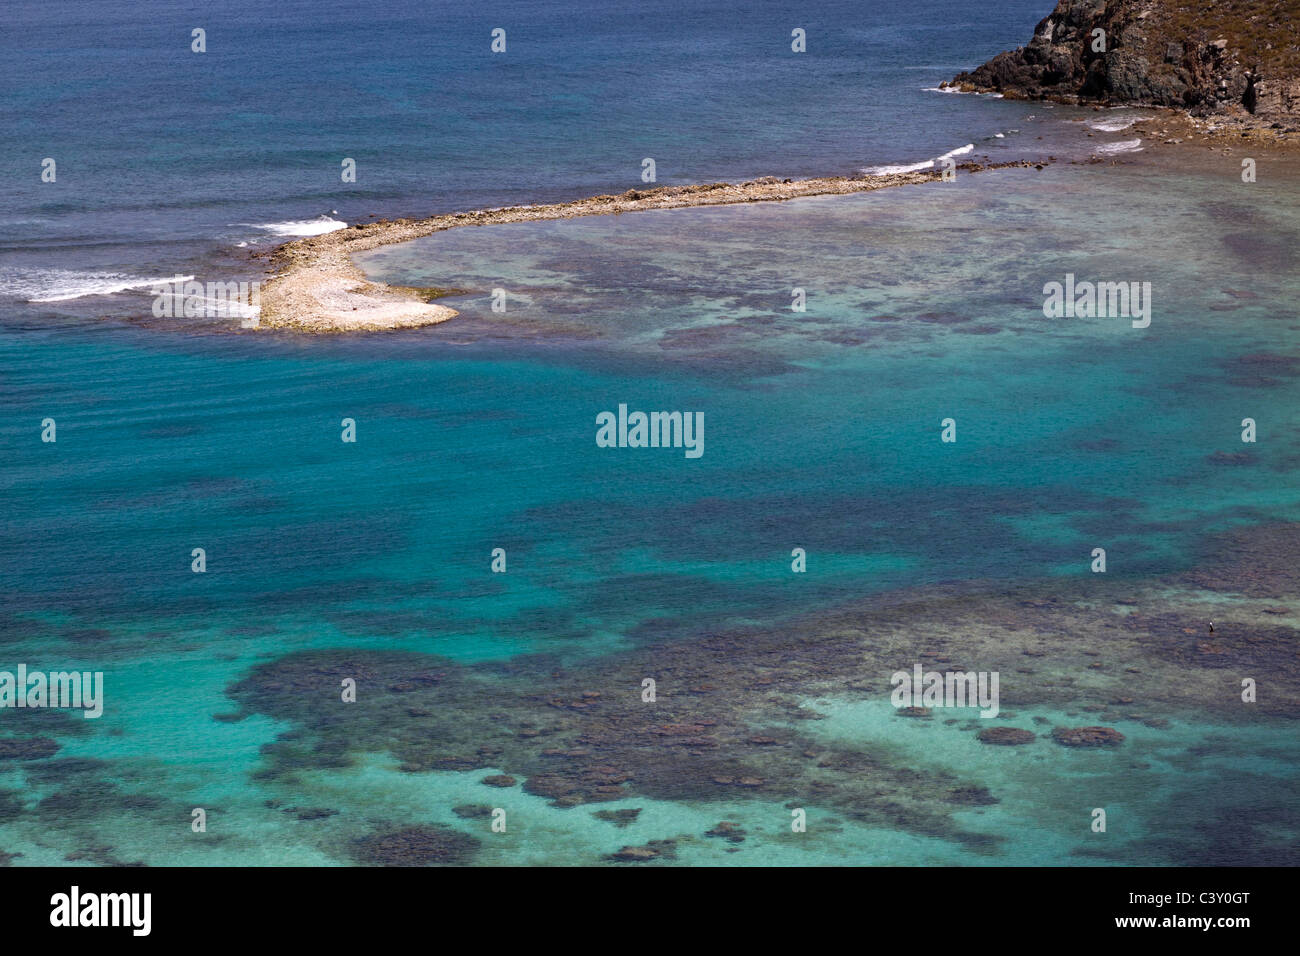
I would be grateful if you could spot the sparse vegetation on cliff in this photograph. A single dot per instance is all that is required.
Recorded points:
(1217, 56)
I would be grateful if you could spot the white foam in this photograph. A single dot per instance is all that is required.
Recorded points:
(302, 227)
(1126, 146)
(61, 285)
(228, 308)
(953, 89)
(892, 170)
(917, 167)
(1115, 125)
(209, 306)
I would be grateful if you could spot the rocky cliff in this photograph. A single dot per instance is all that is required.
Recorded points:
(1209, 56)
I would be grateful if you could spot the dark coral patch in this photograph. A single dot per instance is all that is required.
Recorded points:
(1087, 736)
(1261, 369)
(11, 805)
(28, 748)
(423, 845)
(620, 818)
(1230, 458)
(654, 850)
(1261, 561)
(1006, 736)
(727, 830)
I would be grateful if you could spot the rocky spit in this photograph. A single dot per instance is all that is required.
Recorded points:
(316, 287)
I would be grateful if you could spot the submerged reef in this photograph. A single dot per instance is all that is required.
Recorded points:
(733, 714)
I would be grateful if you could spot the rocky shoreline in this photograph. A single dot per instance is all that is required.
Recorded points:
(316, 287)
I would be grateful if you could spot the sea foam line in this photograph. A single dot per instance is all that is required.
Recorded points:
(917, 167)
(1124, 146)
(1115, 125)
(953, 89)
(63, 285)
(299, 227)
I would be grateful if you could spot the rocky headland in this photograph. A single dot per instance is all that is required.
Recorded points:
(1236, 62)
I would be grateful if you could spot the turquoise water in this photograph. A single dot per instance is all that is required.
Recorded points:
(822, 432)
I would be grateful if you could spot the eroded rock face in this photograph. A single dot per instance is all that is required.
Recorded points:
(1156, 52)
(1280, 97)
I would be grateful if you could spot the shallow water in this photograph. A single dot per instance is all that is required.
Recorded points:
(823, 433)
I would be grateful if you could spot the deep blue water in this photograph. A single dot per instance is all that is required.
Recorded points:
(165, 156)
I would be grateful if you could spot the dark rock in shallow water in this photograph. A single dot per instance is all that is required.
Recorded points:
(620, 818)
(500, 780)
(972, 796)
(312, 813)
(1006, 736)
(1087, 736)
(63, 769)
(1258, 561)
(634, 854)
(654, 850)
(28, 748)
(1230, 458)
(472, 811)
(11, 806)
(416, 846)
(726, 830)
(914, 712)
(99, 855)
(1261, 369)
